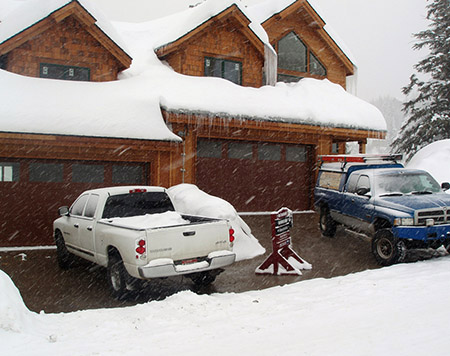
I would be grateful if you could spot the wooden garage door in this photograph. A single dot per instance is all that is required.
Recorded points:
(256, 176)
(32, 191)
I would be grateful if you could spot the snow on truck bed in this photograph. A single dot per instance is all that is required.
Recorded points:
(149, 221)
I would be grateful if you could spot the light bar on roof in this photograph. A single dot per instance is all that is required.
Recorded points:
(360, 158)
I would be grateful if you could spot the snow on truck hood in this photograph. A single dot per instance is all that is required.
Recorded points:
(411, 203)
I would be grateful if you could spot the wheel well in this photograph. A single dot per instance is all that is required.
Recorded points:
(380, 223)
(112, 251)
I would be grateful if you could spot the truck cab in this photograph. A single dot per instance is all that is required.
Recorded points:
(397, 208)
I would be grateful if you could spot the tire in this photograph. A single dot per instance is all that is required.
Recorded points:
(63, 256)
(203, 279)
(326, 223)
(447, 246)
(117, 276)
(387, 249)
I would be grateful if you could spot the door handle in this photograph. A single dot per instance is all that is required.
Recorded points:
(188, 233)
(89, 228)
(76, 225)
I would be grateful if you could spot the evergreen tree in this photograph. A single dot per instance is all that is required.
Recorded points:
(428, 110)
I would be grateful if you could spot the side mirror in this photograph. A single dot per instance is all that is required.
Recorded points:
(362, 191)
(64, 210)
(445, 186)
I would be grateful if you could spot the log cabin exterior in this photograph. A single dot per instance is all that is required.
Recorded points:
(256, 165)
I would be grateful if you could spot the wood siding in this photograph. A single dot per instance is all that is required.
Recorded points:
(299, 23)
(65, 43)
(225, 40)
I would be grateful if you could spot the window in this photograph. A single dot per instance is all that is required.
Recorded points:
(240, 150)
(78, 207)
(330, 180)
(127, 174)
(222, 68)
(9, 172)
(3, 61)
(295, 56)
(57, 71)
(46, 172)
(296, 153)
(269, 152)
(292, 53)
(209, 149)
(315, 67)
(91, 206)
(87, 173)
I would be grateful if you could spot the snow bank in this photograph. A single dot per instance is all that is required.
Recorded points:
(399, 310)
(169, 218)
(188, 199)
(434, 159)
(14, 315)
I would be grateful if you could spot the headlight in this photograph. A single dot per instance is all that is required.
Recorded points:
(404, 222)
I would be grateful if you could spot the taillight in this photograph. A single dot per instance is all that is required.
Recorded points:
(140, 248)
(231, 232)
(137, 190)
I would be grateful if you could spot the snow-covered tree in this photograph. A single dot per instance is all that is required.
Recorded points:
(428, 93)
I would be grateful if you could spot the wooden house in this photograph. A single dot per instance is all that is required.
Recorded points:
(254, 163)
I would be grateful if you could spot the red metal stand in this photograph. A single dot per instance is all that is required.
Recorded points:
(283, 260)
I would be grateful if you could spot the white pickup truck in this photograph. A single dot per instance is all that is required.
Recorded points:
(136, 234)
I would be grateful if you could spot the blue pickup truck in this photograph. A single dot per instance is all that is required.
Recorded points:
(398, 208)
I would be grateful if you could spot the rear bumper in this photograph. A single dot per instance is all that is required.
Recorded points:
(422, 233)
(166, 267)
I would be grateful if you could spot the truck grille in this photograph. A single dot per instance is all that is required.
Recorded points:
(439, 216)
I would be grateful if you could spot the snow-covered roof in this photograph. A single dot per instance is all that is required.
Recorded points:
(119, 109)
(20, 15)
(131, 106)
(263, 11)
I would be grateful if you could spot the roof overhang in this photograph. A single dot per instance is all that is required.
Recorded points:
(304, 9)
(75, 9)
(233, 14)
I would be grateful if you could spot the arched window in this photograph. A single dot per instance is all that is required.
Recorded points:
(296, 61)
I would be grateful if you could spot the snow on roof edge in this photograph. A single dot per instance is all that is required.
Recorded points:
(225, 115)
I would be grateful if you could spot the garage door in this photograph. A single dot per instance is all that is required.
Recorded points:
(32, 191)
(256, 176)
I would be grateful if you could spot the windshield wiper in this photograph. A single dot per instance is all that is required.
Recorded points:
(392, 194)
(421, 192)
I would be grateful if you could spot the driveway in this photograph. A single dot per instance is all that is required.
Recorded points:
(45, 287)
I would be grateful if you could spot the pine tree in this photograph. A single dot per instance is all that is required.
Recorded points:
(428, 111)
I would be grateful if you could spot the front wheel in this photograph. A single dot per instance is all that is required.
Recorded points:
(326, 223)
(64, 257)
(387, 249)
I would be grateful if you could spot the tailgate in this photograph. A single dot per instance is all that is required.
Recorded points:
(185, 242)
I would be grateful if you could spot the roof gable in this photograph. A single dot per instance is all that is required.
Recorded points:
(233, 13)
(12, 38)
(303, 8)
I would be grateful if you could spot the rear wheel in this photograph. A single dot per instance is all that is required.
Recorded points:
(387, 249)
(64, 257)
(326, 223)
(121, 283)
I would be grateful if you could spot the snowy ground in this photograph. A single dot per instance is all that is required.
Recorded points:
(398, 310)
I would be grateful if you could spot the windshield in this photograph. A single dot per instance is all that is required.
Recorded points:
(401, 183)
(135, 204)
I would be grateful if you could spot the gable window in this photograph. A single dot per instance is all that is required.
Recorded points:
(223, 68)
(295, 60)
(57, 71)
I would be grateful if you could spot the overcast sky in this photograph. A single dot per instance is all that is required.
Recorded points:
(377, 32)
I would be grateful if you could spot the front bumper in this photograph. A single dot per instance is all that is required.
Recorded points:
(166, 267)
(422, 233)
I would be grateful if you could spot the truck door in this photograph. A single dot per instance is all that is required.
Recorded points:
(358, 208)
(87, 228)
